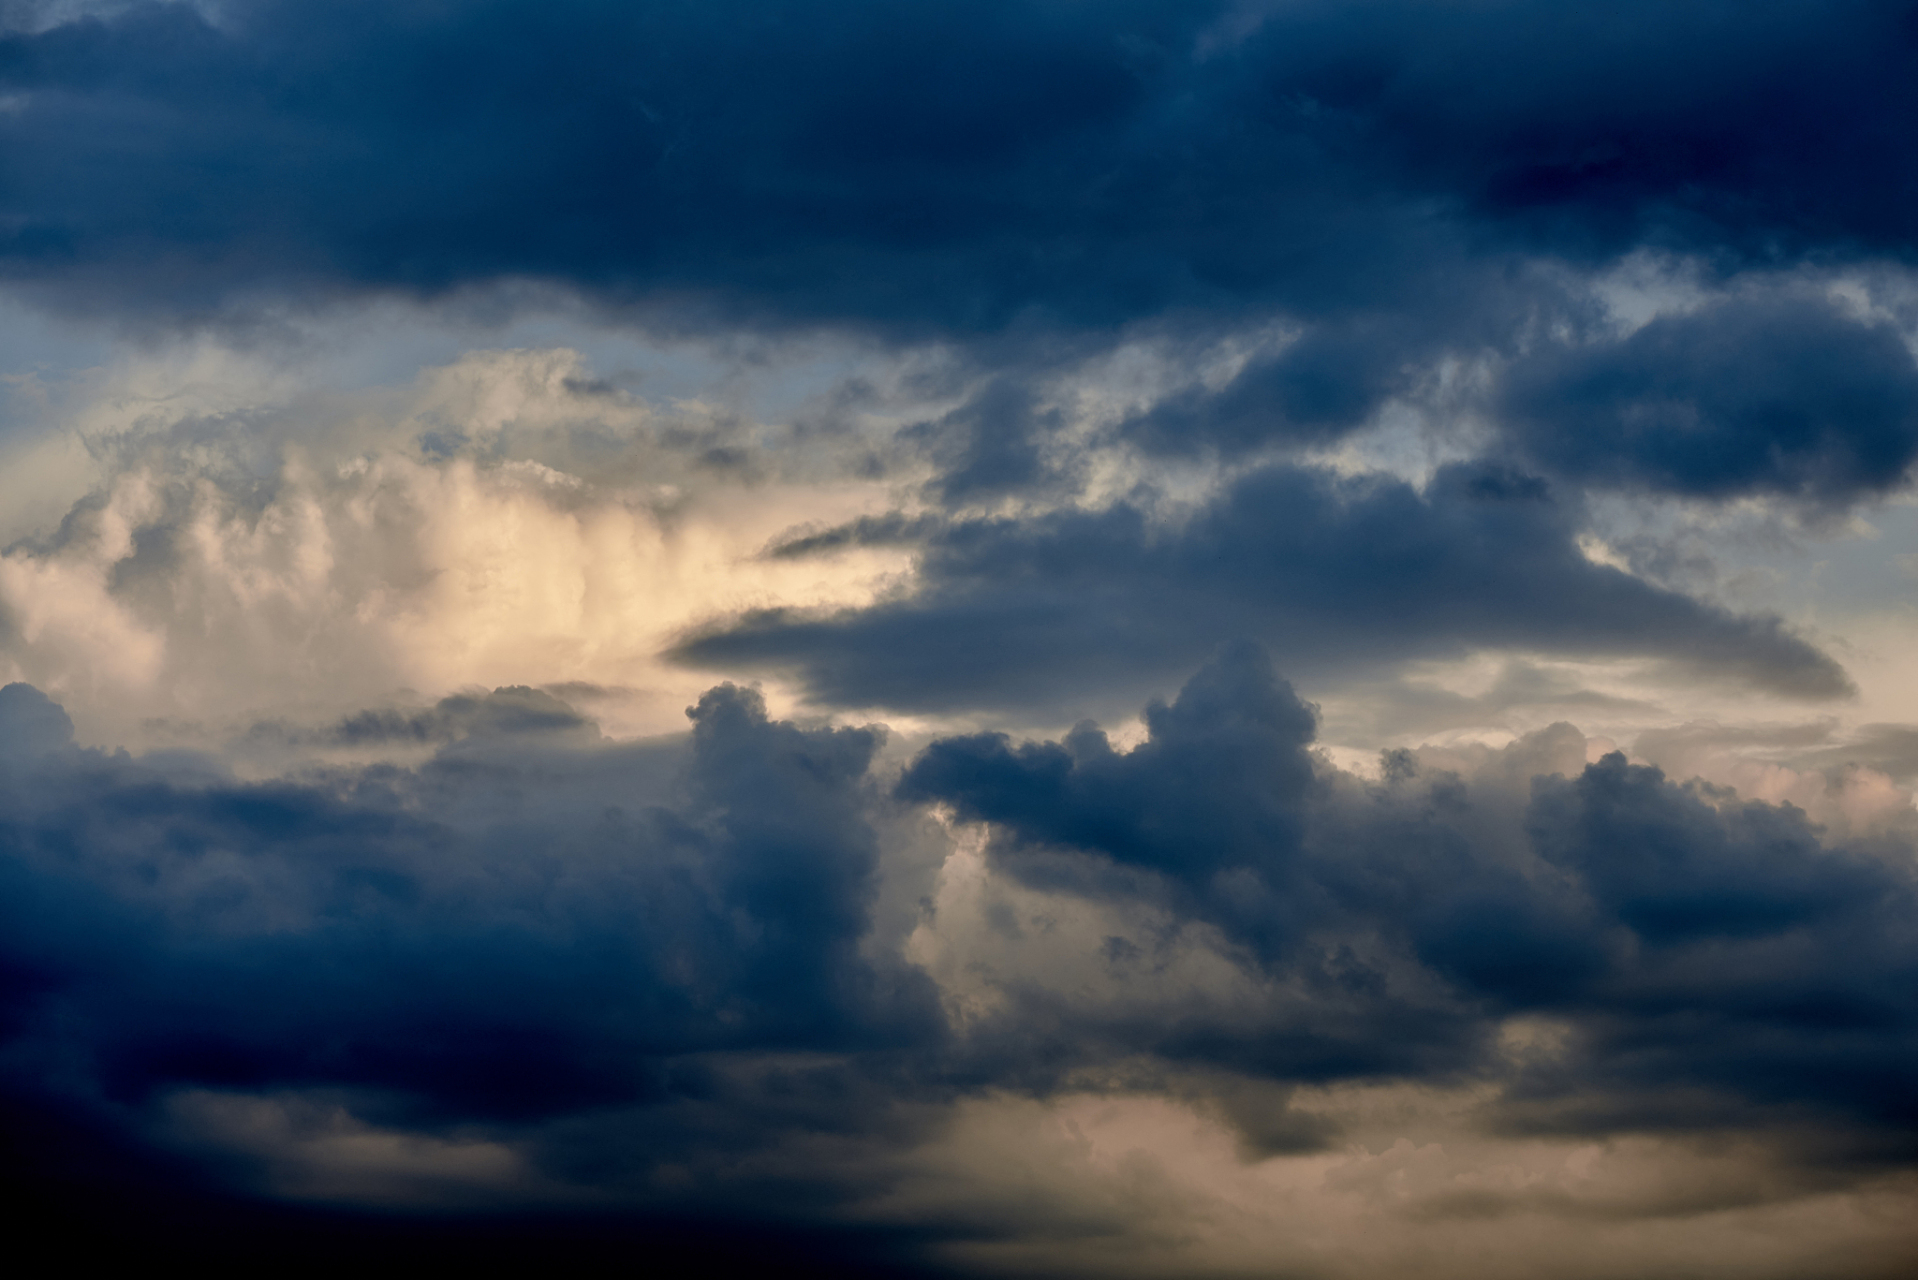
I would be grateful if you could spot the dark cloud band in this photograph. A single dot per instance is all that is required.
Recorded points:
(1334, 574)
(942, 166)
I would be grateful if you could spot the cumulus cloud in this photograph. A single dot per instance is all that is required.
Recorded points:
(566, 974)
(1611, 899)
(503, 522)
(497, 938)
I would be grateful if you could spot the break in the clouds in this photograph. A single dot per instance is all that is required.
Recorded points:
(962, 639)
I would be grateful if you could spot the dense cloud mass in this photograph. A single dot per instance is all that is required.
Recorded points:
(470, 936)
(530, 927)
(577, 582)
(1333, 572)
(1774, 398)
(945, 164)
(1626, 903)
(534, 952)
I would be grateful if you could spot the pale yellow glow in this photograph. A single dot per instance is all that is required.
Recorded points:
(179, 595)
(1145, 1185)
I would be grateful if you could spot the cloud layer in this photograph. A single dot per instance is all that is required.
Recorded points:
(556, 968)
(1334, 572)
(566, 562)
(944, 164)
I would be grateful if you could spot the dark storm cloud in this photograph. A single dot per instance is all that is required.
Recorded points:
(525, 944)
(1715, 962)
(1333, 573)
(1030, 181)
(1743, 957)
(645, 966)
(1222, 780)
(1783, 397)
(621, 958)
(1768, 392)
(939, 166)
(464, 937)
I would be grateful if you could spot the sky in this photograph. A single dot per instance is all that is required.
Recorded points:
(1019, 638)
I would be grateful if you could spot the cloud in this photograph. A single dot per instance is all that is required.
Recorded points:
(310, 556)
(36, 724)
(1751, 396)
(540, 977)
(989, 446)
(1522, 695)
(1335, 574)
(1711, 962)
(1891, 748)
(1332, 380)
(1425, 198)
(1223, 776)
(560, 975)
(1849, 783)
(1040, 350)
(454, 938)
(517, 710)
(949, 166)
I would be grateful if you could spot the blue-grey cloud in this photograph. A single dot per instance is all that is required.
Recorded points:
(643, 967)
(682, 981)
(1325, 385)
(949, 164)
(1717, 964)
(1333, 573)
(470, 720)
(460, 936)
(1031, 182)
(1786, 398)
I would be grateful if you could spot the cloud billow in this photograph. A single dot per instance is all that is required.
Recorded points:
(524, 961)
(1222, 782)
(689, 989)
(1698, 947)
